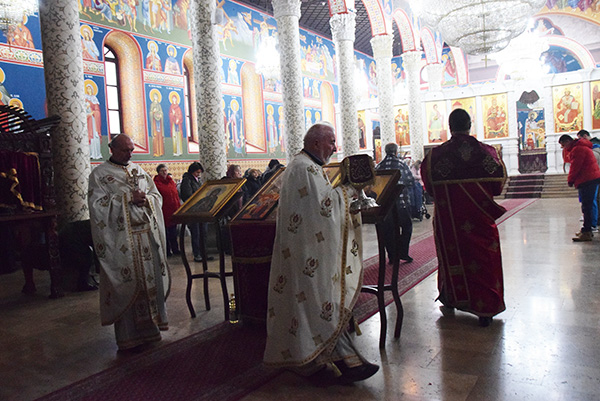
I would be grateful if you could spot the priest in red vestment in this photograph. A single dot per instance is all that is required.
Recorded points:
(463, 175)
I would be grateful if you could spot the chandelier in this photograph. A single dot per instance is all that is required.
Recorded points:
(477, 26)
(13, 11)
(521, 58)
(267, 58)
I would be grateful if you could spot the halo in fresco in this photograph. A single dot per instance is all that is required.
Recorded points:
(153, 46)
(16, 103)
(90, 83)
(174, 95)
(88, 29)
(155, 92)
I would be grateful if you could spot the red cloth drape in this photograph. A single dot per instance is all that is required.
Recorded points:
(28, 192)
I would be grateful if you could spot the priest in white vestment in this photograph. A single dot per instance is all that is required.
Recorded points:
(316, 269)
(129, 240)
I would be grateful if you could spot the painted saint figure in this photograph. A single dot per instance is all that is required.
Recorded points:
(567, 110)
(171, 64)
(93, 117)
(496, 116)
(176, 122)
(272, 135)
(153, 59)
(90, 50)
(435, 125)
(19, 35)
(157, 123)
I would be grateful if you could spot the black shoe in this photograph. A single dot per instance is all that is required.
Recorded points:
(357, 373)
(485, 321)
(406, 258)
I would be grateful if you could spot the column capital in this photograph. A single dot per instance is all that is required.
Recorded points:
(343, 26)
(382, 46)
(435, 76)
(203, 11)
(412, 58)
(286, 8)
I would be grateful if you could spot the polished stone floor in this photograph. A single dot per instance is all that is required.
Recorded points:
(545, 346)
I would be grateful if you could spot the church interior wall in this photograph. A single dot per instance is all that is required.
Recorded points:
(153, 44)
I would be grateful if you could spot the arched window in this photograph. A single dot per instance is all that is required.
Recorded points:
(111, 67)
(127, 65)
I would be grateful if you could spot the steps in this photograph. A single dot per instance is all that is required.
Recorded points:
(524, 186)
(555, 186)
(539, 186)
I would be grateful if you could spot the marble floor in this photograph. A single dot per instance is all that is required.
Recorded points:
(543, 347)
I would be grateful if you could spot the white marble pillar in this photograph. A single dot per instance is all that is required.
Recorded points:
(382, 52)
(207, 80)
(342, 29)
(287, 14)
(435, 76)
(553, 150)
(510, 145)
(63, 72)
(412, 66)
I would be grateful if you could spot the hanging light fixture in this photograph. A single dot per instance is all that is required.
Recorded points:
(520, 60)
(267, 57)
(13, 11)
(477, 26)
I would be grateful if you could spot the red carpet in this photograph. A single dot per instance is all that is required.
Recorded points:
(224, 362)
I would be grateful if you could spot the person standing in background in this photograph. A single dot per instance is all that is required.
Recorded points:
(463, 175)
(171, 202)
(190, 183)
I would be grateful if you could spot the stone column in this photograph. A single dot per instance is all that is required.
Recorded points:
(342, 29)
(207, 81)
(287, 14)
(382, 52)
(63, 71)
(435, 75)
(553, 150)
(412, 66)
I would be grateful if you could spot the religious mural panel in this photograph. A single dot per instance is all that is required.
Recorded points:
(595, 98)
(568, 108)
(20, 57)
(532, 130)
(450, 72)
(401, 126)
(234, 126)
(436, 121)
(362, 130)
(273, 120)
(495, 124)
(156, 120)
(94, 104)
(468, 104)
